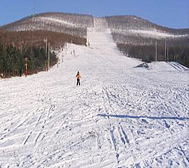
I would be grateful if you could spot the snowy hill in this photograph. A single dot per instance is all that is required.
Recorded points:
(120, 116)
(125, 29)
(72, 24)
(138, 31)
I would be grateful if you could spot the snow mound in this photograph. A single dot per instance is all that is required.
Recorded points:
(166, 66)
(178, 66)
(143, 65)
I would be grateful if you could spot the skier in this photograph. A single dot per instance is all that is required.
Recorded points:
(78, 76)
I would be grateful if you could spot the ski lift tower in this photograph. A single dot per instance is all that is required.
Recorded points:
(156, 50)
(33, 7)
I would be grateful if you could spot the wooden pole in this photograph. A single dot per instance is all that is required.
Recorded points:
(165, 50)
(48, 55)
(156, 59)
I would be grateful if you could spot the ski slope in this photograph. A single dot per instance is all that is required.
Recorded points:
(121, 116)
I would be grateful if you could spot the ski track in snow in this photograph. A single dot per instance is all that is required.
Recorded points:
(119, 117)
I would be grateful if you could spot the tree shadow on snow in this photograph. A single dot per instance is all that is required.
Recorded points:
(146, 117)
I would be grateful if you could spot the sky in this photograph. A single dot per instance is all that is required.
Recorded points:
(168, 13)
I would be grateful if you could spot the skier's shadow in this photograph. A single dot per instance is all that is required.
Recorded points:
(143, 117)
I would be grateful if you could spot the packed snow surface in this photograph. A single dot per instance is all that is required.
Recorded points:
(121, 115)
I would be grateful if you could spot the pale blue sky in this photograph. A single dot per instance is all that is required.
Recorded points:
(169, 13)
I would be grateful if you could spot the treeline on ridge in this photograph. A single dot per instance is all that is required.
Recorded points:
(37, 38)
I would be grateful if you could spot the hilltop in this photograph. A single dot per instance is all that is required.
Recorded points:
(134, 36)
(125, 29)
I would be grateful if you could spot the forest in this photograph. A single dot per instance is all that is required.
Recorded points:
(147, 53)
(17, 47)
(13, 60)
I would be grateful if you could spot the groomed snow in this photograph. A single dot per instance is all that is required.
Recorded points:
(120, 116)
